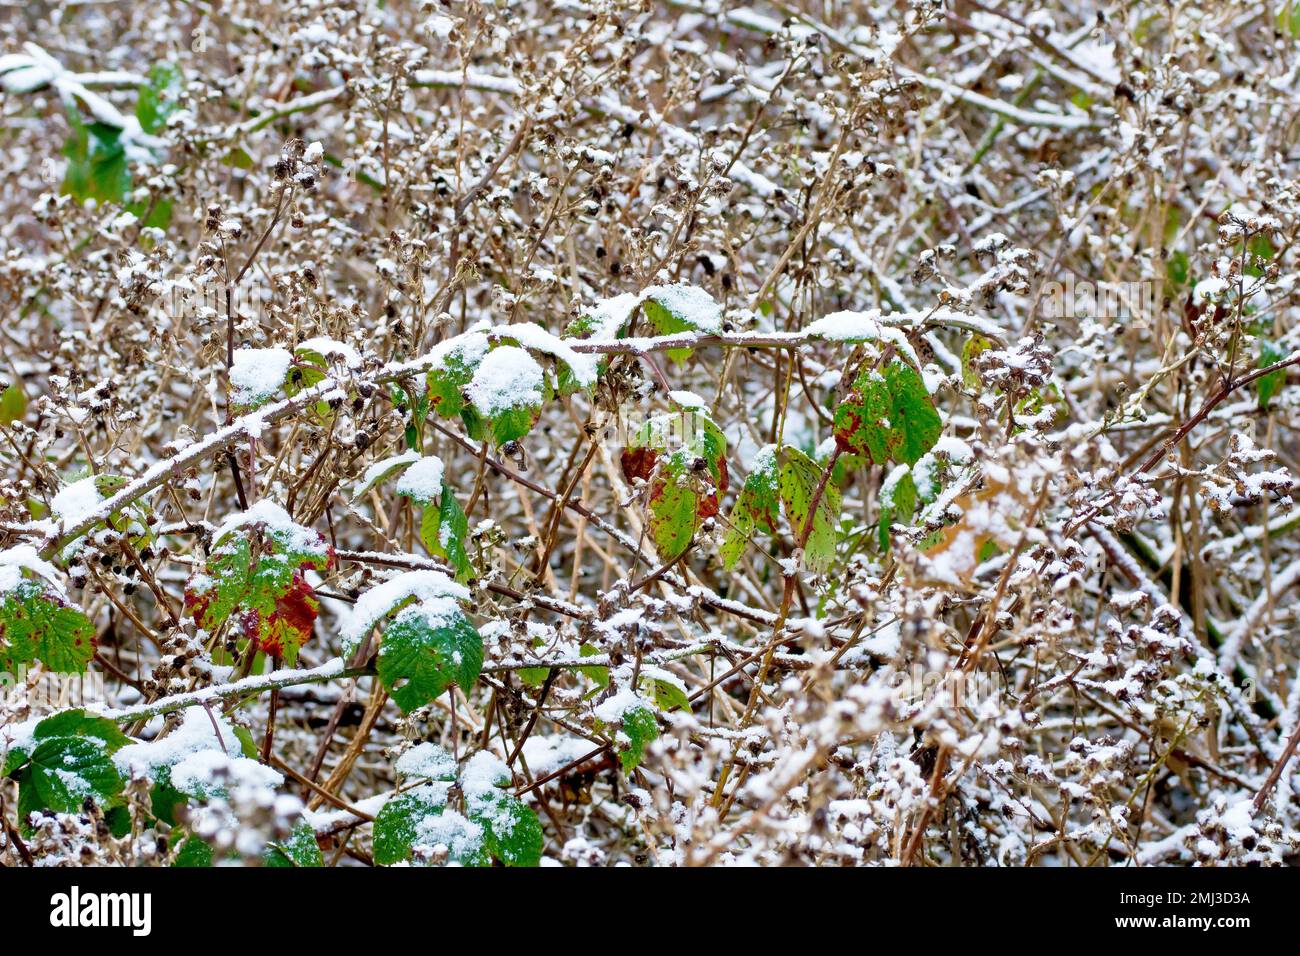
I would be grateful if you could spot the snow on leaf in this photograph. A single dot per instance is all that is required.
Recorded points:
(257, 375)
(507, 389)
(425, 649)
(420, 819)
(422, 480)
(384, 469)
(640, 729)
(511, 831)
(395, 593)
(68, 723)
(607, 319)
(199, 732)
(681, 308)
(428, 761)
(210, 773)
(299, 850)
(583, 369)
(454, 363)
(897, 502)
(64, 772)
(193, 853)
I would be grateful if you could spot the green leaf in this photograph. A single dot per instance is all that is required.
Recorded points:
(421, 816)
(1178, 268)
(13, 404)
(118, 821)
(1267, 386)
(309, 367)
(975, 345)
(193, 853)
(511, 831)
(247, 745)
(640, 728)
(66, 771)
(158, 97)
(680, 308)
(799, 478)
(512, 424)
(37, 624)
(444, 531)
(503, 386)
(16, 757)
(673, 509)
(164, 799)
(684, 485)
(669, 696)
(77, 723)
(897, 502)
(384, 469)
(597, 675)
(1261, 252)
(452, 371)
(238, 158)
(532, 676)
(1288, 19)
(156, 215)
(888, 415)
(300, 850)
(425, 649)
(396, 822)
(97, 166)
(756, 508)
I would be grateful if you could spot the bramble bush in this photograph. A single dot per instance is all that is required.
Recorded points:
(656, 433)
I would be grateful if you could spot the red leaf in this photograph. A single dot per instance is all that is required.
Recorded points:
(290, 625)
(638, 462)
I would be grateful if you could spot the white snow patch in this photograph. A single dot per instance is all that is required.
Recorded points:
(257, 374)
(507, 378)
